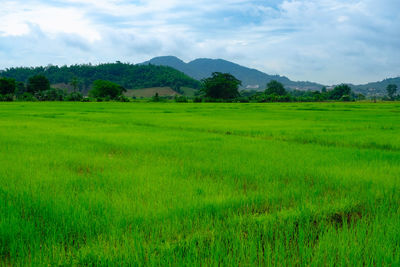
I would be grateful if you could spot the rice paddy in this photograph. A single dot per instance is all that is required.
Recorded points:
(210, 184)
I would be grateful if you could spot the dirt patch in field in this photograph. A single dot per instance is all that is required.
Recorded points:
(149, 92)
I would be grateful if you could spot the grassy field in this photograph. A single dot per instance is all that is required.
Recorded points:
(200, 184)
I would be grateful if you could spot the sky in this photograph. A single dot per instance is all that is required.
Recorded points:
(325, 41)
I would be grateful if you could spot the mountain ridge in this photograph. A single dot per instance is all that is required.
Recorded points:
(201, 68)
(254, 79)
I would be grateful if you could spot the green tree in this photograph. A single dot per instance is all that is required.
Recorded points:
(391, 90)
(74, 82)
(7, 86)
(221, 86)
(38, 83)
(155, 98)
(275, 87)
(106, 89)
(342, 91)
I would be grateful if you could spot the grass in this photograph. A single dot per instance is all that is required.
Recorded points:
(199, 184)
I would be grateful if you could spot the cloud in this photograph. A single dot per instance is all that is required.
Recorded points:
(325, 41)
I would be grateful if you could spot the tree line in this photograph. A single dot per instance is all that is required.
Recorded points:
(127, 75)
(220, 87)
(38, 88)
(225, 87)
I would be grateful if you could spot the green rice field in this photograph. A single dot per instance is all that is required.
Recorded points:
(199, 184)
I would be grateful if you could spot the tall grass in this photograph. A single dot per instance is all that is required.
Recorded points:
(199, 184)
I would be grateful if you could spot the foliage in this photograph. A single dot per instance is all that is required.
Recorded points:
(106, 89)
(180, 99)
(197, 99)
(38, 83)
(7, 86)
(391, 91)
(339, 92)
(360, 97)
(52, 94)
(275, 87)
(7, 97)
(156, 98)
(74, 83)
(122, 98)
(20, 89)
(74, 96)
(26, 97)
(221, 86)
(127, 75)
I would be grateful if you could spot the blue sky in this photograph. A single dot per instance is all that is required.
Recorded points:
(327, 41)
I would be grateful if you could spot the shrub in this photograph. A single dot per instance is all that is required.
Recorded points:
(197, 99)
(7, 97)
(345, 98)
(106, 89)
(122, 98)
(27, 97)
(155, 98)
(74, 96)
(50, 95)
(243, 100)
(7, 86)
(180, 99)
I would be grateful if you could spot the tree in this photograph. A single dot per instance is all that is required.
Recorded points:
(38, 83)
(342, 91)
(156, 98)
(221, 86)
(275, 87)
(391, 90)
(105, 89)
(7, 86)
(74, 82)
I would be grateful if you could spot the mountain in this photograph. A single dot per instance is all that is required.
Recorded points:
(251, 78)
(376, 88)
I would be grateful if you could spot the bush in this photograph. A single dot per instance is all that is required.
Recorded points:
(50, 95)
(284, 98)
(7, 97)
(122, 98)
(85, 99)
(156, 98)
(345, 98)
(197, 99)
(74, 96)
(106, 89)
(213, 100)
(27, 97)
(243, 100)
(7, 87)
(180, 99)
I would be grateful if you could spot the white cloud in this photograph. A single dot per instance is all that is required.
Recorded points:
(324, 41)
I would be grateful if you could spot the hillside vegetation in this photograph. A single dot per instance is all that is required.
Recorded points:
(127, 75)
(150, 184)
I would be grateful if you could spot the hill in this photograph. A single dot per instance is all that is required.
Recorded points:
(128, 75)
(378, 88)
(251, 78)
